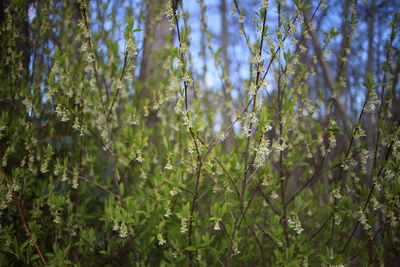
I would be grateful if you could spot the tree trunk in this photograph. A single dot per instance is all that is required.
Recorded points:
(157, 33)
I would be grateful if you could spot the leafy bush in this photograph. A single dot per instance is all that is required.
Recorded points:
(117, 151)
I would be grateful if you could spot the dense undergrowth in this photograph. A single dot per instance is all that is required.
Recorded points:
(105, 165)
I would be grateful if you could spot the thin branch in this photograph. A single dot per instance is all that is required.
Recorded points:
(25, 225)
(96, 184)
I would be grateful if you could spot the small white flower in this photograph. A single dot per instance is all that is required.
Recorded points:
(295, 224)
(187, 120)
(139, 157)
(363, 220)
(174, 191)
(336, 194)
(168, 166)
(161, 240)
(216, 188)
(75, 178)
(253, 89)
(116, 226)
(123, 230)
(64, 177)
(76, 125)
(183, 225)
(168, 213)
(337, 219)
(216, 226)
(236, 250)
(279, 145)
(263, 152)
(44, 167)
(268, 127)
(221, 136)
(389, 175)
(57, 217)
(264, 4)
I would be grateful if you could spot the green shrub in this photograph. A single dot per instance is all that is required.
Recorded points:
(118, 153)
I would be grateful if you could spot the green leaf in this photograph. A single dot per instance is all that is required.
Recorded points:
(121, 188)
(129, 26)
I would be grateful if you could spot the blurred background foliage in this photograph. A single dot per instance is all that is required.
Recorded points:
(199, 133)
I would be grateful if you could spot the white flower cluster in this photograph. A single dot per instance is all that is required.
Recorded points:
(264, 5)
(123, 229)
(305, 262)
(263, 152)
(139, 157)
(396, 148)
(216, 226)
(169, 14)
(75, 178)
(62, 113)
(249, 122)
(168, 166)
(187, 121)
(347, 163)
(187, 78)
(179, 105)
(51, 91)
(253, 89)
(131, 47)
(274, 195)
(363, 220)
(279, 145)
(64, 177)
(221, 136)
(336, 193)
(294, 223)
(236, 250)
(191, 148)
(291, 28)
(161, 240)
(376, 205)
(168, 209)
(57, 217)
(183, 225)
(389, 174)
(359, 132)
(337, 219)
(372, 101)
(216, 188)
(15, 186)
(364, 157)
(168, 212)
(3, 127)
(44, 166)
(174, 191)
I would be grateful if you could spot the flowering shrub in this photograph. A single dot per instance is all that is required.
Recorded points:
(115, 153)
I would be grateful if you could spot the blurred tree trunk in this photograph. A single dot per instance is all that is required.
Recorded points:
(228, 142)
(370, 118)
(15, 57)
(19, 12)
(152, 76)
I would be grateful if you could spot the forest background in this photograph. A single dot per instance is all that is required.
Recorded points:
(199, 133)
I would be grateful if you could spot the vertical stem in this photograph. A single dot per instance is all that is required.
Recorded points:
(246, 170)
(199, 159)
(281, 92)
